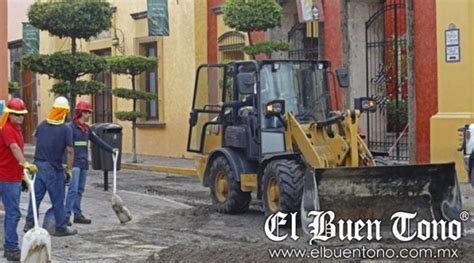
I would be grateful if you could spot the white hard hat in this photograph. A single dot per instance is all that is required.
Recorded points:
(61, 102)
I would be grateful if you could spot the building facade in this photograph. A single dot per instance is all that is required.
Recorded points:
(3, 50)
(164, 131)
(455, 80)
(26, 80)
(382, 45)
(376, 43)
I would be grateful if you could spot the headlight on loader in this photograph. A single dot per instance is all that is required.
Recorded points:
(275, 108)
(365, 104)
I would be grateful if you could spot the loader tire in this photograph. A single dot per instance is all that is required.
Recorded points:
(227, 197)
(282, 183)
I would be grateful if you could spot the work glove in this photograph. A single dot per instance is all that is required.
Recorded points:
(32, 169)
(25, 185)
(68, 176)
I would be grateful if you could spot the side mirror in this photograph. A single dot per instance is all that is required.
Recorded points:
(275, 108)
(365, 104)
(342, 77)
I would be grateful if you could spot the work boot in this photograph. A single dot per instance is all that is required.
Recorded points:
(81, 219)
(12, 255)
(66, 232)
(68, 218)
(28, 226)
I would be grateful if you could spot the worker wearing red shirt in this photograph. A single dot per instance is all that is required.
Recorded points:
(12, 163)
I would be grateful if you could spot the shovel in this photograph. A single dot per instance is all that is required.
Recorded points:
(118, 205)
(36, 245)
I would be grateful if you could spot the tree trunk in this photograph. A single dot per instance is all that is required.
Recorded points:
(72, 99)
(72, 93)
(134, 128)
(73, 46)
(134, 143)
(250, 42)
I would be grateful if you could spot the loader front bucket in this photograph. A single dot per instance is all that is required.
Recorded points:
(377, 192)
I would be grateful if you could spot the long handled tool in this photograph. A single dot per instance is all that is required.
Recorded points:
(36, 246)
(118, 205)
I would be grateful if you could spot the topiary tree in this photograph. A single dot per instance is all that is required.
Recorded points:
(255, 15)
(13, 88)
(132, 66)
(74, 19)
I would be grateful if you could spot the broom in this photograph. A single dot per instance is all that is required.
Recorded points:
(118, 205)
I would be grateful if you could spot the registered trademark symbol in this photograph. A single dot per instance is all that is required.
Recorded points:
(464, 215)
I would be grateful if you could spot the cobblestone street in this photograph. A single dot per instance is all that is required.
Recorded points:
(173, 221)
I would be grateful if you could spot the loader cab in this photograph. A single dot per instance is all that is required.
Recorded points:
(230, 104)
(299, 87)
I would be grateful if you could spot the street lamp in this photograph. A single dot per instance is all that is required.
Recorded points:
(315, 13)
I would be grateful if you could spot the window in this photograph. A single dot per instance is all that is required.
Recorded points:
(15, 67)
(151, 82)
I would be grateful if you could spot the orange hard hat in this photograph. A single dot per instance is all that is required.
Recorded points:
(84, 106)
(16, 106)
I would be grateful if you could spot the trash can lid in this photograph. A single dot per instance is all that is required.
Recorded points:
(111, 128)
(98, 127)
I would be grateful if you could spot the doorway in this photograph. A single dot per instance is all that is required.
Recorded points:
(103, 101)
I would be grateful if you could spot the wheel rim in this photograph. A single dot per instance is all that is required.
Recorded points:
(222, 187)
(273, 195)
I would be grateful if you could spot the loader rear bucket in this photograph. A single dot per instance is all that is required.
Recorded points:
(377, 192)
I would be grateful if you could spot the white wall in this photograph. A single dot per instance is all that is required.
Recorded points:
(17, 10)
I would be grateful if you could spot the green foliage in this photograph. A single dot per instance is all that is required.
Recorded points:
(133, 94)
(267, 47)
(13, 87)
(65, 66)
(392, 113)
(81, 87)
(129, 115)
(133, 66)
(130, 65)
(71, 18)
(252, 15)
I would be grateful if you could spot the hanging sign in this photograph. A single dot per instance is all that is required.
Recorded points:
(30, 39)
(158, 22)
(452, 44)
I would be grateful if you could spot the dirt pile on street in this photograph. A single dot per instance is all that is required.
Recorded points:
(227, 253)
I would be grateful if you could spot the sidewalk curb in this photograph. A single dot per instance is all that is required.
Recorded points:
(150, 167)
(159, 168)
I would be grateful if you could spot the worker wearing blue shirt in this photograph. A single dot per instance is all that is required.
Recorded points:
(81, 136)
(53, 139)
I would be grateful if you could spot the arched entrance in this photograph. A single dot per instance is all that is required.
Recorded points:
(386, 67)
(230, 46)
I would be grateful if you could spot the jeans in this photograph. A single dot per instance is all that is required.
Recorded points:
(52, 181)
(75, 190)
(10, 192)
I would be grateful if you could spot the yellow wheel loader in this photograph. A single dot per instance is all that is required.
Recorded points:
(267, 127)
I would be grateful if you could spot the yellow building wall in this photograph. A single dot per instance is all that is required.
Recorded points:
(179, 55)
(455, 84)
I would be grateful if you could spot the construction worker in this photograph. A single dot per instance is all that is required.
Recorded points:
(81, 134)
(12, 163)
(53, 138)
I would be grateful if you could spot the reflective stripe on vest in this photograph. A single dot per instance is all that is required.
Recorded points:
(80, 143)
